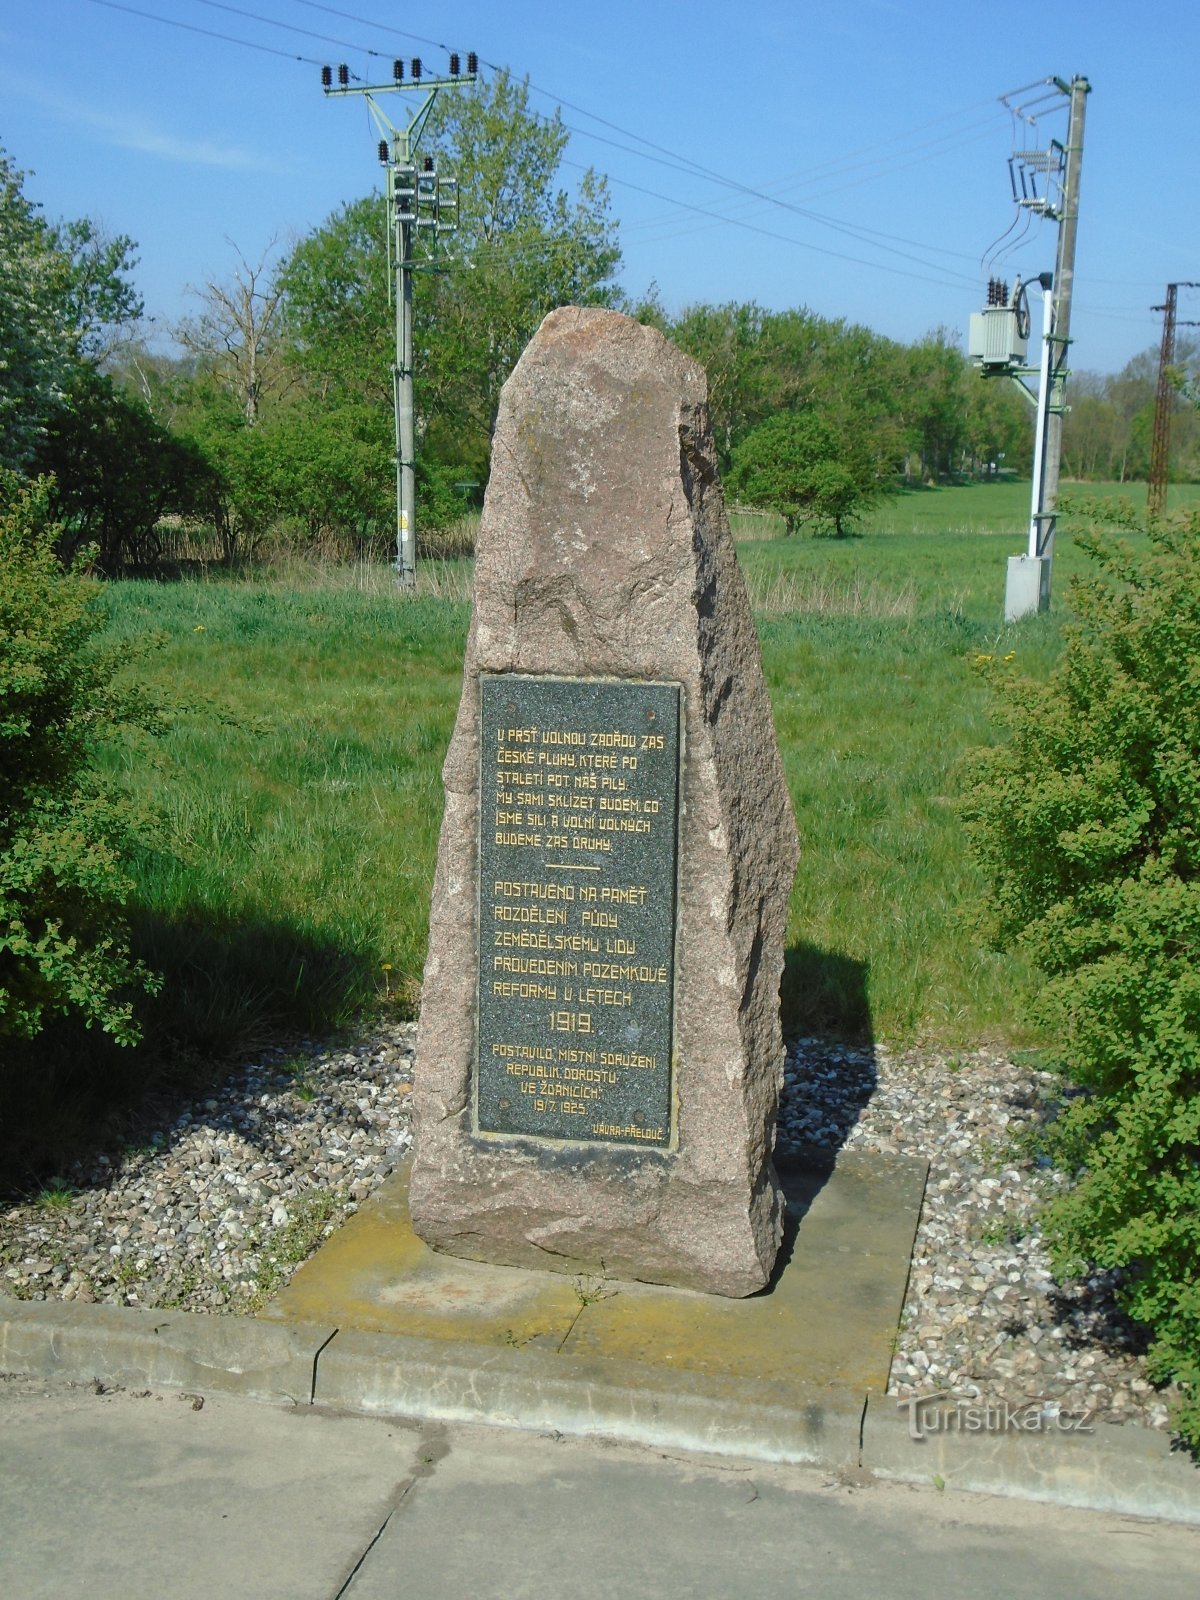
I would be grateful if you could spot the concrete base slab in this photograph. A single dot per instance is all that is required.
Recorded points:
(782, 1375)
(375, 1274)
(831, 1312)
(829, 1315)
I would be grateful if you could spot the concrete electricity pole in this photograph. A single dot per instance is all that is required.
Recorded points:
(1160, 449)
(418, 201)
(999, 336)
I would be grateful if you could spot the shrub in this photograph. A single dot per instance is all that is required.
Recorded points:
(1087, 821)
(63, 943)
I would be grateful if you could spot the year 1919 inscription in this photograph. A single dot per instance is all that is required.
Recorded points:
(579, 812)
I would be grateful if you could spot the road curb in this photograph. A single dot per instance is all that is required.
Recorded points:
(1029, 1456)
(1130, 1470)
(592, 1396)
(135, 1347)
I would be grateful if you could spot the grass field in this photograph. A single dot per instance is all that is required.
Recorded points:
(300, 797)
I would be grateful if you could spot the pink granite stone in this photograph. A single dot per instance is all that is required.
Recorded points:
(604, 552)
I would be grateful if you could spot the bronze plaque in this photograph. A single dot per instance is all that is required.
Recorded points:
(578, 852)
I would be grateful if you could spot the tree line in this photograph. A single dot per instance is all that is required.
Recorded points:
(274, 416)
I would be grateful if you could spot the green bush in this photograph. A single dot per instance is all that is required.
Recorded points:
(63, 834)
(1087, 821)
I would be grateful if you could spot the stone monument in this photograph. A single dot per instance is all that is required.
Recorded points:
(599, 1055)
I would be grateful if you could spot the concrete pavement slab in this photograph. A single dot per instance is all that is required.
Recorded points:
(142, 1496)
(131, 1496)
(512, 1517)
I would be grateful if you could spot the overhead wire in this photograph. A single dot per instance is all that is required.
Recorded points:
(784, 238)
(289, 27)
(874, 239)
(208, 33)
(686, 164)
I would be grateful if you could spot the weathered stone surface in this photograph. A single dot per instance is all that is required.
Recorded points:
(604, 553)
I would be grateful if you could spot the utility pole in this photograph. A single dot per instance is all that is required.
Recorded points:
(1160, 449)
(1064, 282)
(999, 335)
(418, 202)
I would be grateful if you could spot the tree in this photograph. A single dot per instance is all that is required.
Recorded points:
(236, 335)
(337, 320)
(114, 472)
(62, 290)
(525, 246)
(798, 465)
(63, 835)
(726, 341)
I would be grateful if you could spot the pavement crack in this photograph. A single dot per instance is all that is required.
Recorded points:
(862, 1426)
(375, 1538)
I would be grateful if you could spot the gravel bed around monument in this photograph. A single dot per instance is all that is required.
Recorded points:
(984, 1320)
(218, 1208)
(216, 1211)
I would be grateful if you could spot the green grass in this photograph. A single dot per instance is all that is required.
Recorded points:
(873, 717)
(300, 797)
(299, 801)
(940, 566)
(999, 507)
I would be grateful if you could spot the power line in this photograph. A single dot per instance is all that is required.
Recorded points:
(208, 33)
(769, 233)
(685, 164)
(289, 27)
(666, 157)
(368, 22)
(801, 211)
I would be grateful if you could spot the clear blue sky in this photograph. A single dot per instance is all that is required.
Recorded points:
(880, 116)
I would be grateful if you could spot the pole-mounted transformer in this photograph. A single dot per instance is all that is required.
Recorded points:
(998, 339)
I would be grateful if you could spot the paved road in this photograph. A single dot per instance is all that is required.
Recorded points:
(123, 1495)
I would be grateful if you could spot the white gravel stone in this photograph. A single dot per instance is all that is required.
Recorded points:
(216, 1211)
(983, 1313)
(235, 1193)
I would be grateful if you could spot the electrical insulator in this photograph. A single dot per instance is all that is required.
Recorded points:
(343, 74)
(455, 66)
(327, 77)
(416, 67)
(398, 71)
(383, 152)
(1003, 294)
(472, 62)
